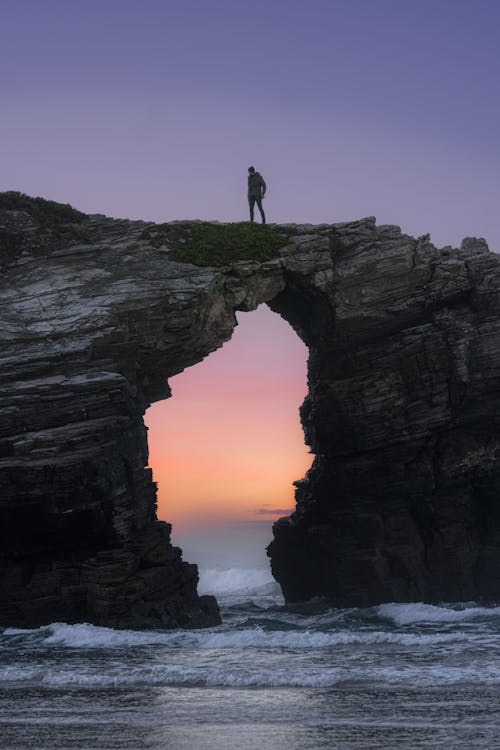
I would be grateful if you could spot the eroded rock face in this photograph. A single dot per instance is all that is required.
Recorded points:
(401, 502)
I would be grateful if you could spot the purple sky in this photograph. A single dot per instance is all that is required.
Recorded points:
(155, 109)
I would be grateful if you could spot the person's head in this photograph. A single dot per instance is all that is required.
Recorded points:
(251, 170)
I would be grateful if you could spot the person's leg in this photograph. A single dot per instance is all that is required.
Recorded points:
(251, 203)
(259, 204)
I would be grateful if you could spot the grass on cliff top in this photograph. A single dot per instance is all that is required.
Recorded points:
(43, 211)
(204, 244)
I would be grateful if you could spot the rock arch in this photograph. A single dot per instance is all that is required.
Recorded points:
(401, 502)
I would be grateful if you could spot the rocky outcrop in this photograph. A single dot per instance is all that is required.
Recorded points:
(401, 502)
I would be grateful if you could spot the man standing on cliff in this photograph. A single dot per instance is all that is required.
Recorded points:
(256, 191)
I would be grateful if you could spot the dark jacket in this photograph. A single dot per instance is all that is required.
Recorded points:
(256, 185)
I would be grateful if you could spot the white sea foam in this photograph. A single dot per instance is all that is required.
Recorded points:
(408, 614)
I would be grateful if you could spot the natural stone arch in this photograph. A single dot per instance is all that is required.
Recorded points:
(401, 502)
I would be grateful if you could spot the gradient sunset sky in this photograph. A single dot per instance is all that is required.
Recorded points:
(155, 109)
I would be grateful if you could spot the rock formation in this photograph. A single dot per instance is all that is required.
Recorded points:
(403, 410)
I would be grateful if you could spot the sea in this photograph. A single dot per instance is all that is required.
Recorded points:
(271, 677)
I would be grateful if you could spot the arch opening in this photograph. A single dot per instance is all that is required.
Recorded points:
(226, 448)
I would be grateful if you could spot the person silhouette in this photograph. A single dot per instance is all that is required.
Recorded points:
(256, 191)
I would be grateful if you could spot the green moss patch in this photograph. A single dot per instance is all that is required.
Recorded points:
(204, 244)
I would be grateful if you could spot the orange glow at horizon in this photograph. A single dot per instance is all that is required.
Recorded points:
(228, 444)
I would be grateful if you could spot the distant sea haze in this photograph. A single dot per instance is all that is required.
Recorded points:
(228, 546)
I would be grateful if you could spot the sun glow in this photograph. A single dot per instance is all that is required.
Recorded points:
(229, 443)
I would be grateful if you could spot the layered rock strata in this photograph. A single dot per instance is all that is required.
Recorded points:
(401, 502)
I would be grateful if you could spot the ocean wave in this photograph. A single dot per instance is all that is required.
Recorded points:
(238, 582)
(192, 676)
(409, 614)
(257, 638)
(85, 636)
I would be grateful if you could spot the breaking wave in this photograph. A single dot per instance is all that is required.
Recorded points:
(262, 643)
(241, 582)
(90, 636)
(408, 614)
(430, 676)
